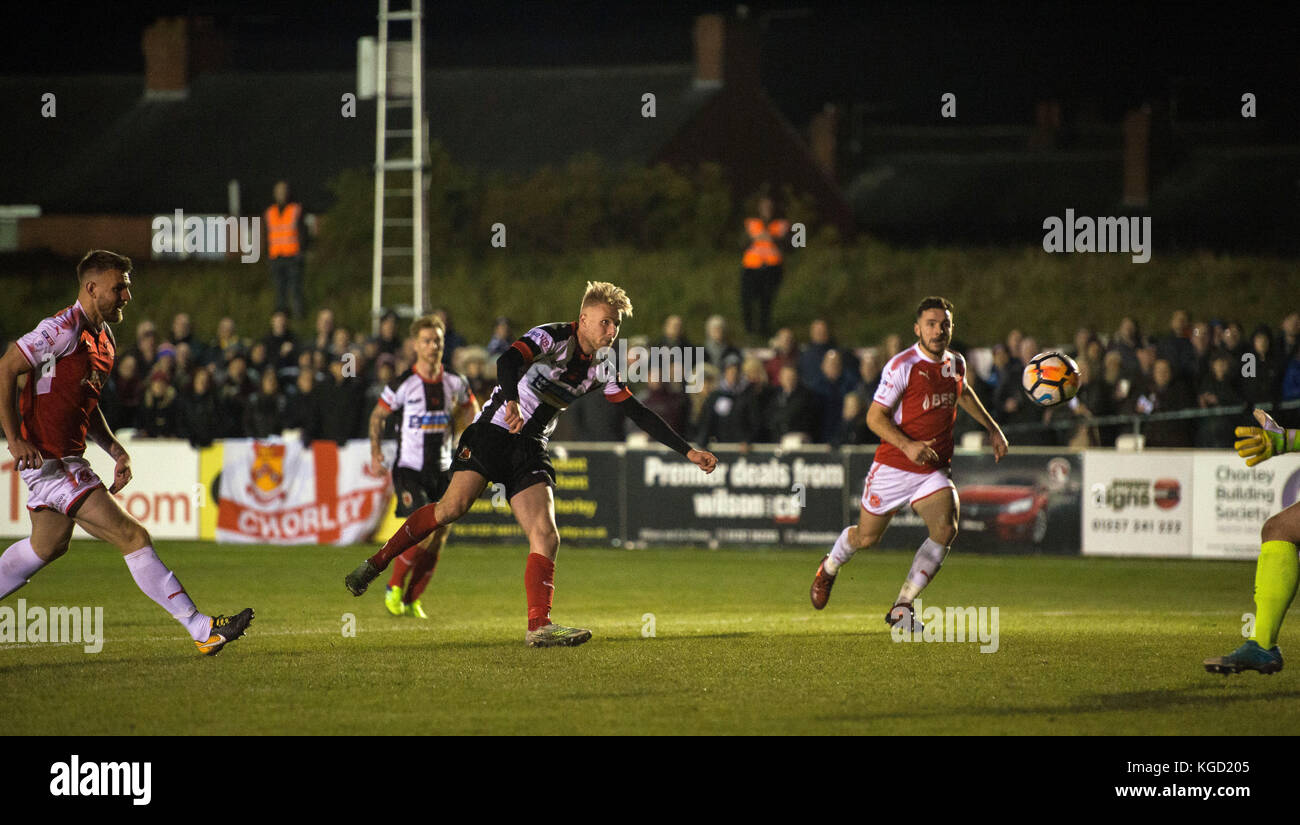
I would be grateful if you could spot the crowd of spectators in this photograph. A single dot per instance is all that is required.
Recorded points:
(235, 386)
(182, 385)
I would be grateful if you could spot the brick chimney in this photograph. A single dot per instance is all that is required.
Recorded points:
(726, 51)
(823, 132)
(710, 31)
(166, 49)
(1137, 157)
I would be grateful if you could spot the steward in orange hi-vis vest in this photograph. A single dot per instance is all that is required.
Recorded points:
(761, 268)
(282, 230)
(763, 249)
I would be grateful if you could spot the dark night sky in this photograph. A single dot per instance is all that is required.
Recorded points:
(897, 55)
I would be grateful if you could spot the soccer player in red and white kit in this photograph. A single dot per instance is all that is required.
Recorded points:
(430, 402)
(913, 412)
(66, 360)
(541, 374)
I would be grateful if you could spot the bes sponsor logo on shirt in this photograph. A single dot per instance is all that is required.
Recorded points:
(428, 422)
(939, 399)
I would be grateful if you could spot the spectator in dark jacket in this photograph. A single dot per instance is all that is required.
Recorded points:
(830, 387)
(389, 340)
(1261, 380)
(813, 352)
(1169, 394)
(1218, 390)
(1127, 339)
(264, 412)
(281, 346)
(1096, 399)
(727, 418)
(232, 397)
(343, 398)
(755, 396)
(792, 408)
(305, 407)
(1177, 347)
(159, 413)
(201, 415)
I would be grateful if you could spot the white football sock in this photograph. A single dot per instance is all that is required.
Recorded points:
(840, 553)
(925, 566)
(18, 564)
(160, 584)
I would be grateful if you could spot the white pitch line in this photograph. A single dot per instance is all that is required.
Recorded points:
(696, 625)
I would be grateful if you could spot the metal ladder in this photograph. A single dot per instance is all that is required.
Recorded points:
(400, 92)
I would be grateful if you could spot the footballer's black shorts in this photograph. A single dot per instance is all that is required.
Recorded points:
(416, 488)
(517, 461)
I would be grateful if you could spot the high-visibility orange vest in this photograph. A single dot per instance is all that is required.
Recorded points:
(282, 230)
(763, 250)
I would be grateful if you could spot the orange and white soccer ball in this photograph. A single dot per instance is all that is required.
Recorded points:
(1050, 378)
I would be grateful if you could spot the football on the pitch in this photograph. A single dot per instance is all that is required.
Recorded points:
(1050, 378)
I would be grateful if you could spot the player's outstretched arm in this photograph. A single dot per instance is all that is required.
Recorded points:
(99, 433)
(658, 429)
(1256, 444)
(12, 365)
(970, 402)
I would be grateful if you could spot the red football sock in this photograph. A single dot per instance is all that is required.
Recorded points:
(401, 566)
(539, 581)
(413, 531)
(421, 572)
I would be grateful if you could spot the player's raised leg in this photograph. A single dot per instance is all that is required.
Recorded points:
(465, 486)
(102, 517)
(940, 511)
(864, 534)
(51, 531)
(534, 509)
(1277, 574)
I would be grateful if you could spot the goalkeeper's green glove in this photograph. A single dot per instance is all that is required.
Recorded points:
(1256, 444)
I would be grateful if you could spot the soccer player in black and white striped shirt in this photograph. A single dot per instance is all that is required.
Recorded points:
(539, 376)
(431, 402)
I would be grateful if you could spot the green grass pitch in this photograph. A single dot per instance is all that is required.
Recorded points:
(1087, 646)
